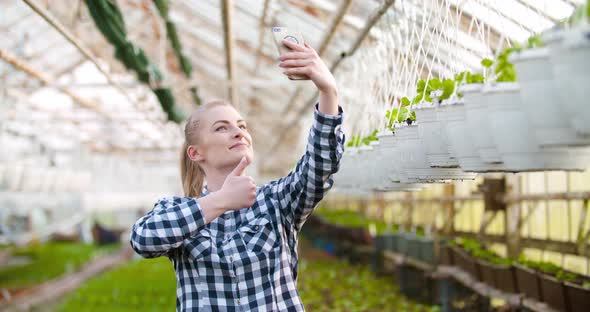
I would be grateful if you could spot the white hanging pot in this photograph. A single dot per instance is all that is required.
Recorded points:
(434, 138)
(541, 100)
(518, 146)
(452, 115)
(416, 165)
(390, 155)
(365, 161)
(344, 178)
(476, 114)
(569, 50)
(389, 175)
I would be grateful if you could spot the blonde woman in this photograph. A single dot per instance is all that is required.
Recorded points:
(234, 245)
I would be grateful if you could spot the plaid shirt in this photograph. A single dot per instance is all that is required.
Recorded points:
(244, 260)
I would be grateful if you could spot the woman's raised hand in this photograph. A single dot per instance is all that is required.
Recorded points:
(238, 191)
(304, 60)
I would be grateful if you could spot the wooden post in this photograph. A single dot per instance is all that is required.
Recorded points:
(512, 218)
(228, 40)
(448, 210)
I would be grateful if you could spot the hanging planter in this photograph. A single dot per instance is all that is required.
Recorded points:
(517, 144)
(569, 50)
(434, 138)
(476, 114)
(414, 161)
(541, 100)
(452, 117)
(390, 155)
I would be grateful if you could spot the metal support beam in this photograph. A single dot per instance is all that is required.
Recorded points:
(53, 22)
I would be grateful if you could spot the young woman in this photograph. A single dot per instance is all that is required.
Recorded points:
(233, 245)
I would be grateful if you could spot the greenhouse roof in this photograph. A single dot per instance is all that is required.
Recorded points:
(69, 87)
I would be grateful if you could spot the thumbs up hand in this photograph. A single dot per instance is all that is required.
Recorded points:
(238, 191)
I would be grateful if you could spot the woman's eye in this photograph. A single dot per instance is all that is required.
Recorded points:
(220, 128)
(243, 127)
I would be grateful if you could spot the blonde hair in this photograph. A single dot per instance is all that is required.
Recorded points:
(192, 175)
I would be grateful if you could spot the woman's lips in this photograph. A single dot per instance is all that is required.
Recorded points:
(238, 145)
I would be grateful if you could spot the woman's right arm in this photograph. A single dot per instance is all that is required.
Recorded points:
(173, 220)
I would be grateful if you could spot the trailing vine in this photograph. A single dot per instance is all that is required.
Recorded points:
(172, 34)
(110, 22)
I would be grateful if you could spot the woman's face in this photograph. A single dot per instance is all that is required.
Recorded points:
(223, 138)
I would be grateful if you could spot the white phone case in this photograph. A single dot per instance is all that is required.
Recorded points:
(280, 33)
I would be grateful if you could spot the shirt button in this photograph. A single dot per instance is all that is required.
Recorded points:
(256, 228)
(231, 259)
(237, 301)
(226, 217)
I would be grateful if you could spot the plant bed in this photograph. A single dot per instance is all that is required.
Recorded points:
(446, 255)
(528, 282)
(499, 276)
(578, 297)
(426, 247)
(48, 261)
(506, 278)
(553, 291)
(467, 263)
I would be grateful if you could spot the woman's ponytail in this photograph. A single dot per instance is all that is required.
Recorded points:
(191, 173)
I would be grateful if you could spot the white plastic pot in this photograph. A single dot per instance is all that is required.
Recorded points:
(390, 176)
(541, 100)
(415, 164)
(452, 116)
(569, 53)
(476, 114)
(434, 138)
(517, 144)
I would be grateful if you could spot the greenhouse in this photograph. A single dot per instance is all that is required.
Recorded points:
(291, 155)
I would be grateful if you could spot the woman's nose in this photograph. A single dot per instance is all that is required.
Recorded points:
(238, 132)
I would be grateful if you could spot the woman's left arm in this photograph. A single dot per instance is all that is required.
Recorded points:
(304, 60)
(300, 191)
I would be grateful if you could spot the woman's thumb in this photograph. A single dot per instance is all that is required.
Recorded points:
(241, 167)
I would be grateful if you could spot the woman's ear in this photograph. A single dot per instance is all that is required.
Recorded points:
(194, 154)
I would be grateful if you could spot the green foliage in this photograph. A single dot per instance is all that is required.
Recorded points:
(332, 285)
(110, 22)
(474, 248)
(547, 268)
(534, 41)
(48, 261)
(172, 34)
(487, 63)
(351, 219)
(142, 285)
(505, 71)
(357, 140)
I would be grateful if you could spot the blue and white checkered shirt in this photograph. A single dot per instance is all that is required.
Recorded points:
(244, 260)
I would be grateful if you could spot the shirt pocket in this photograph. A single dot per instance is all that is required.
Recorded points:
(200, 245)
(259, 235)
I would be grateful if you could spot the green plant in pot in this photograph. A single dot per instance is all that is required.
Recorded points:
(357, 140)
(551, 281)
(400, 114)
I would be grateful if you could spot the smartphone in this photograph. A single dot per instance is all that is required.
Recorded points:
(281, 33)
